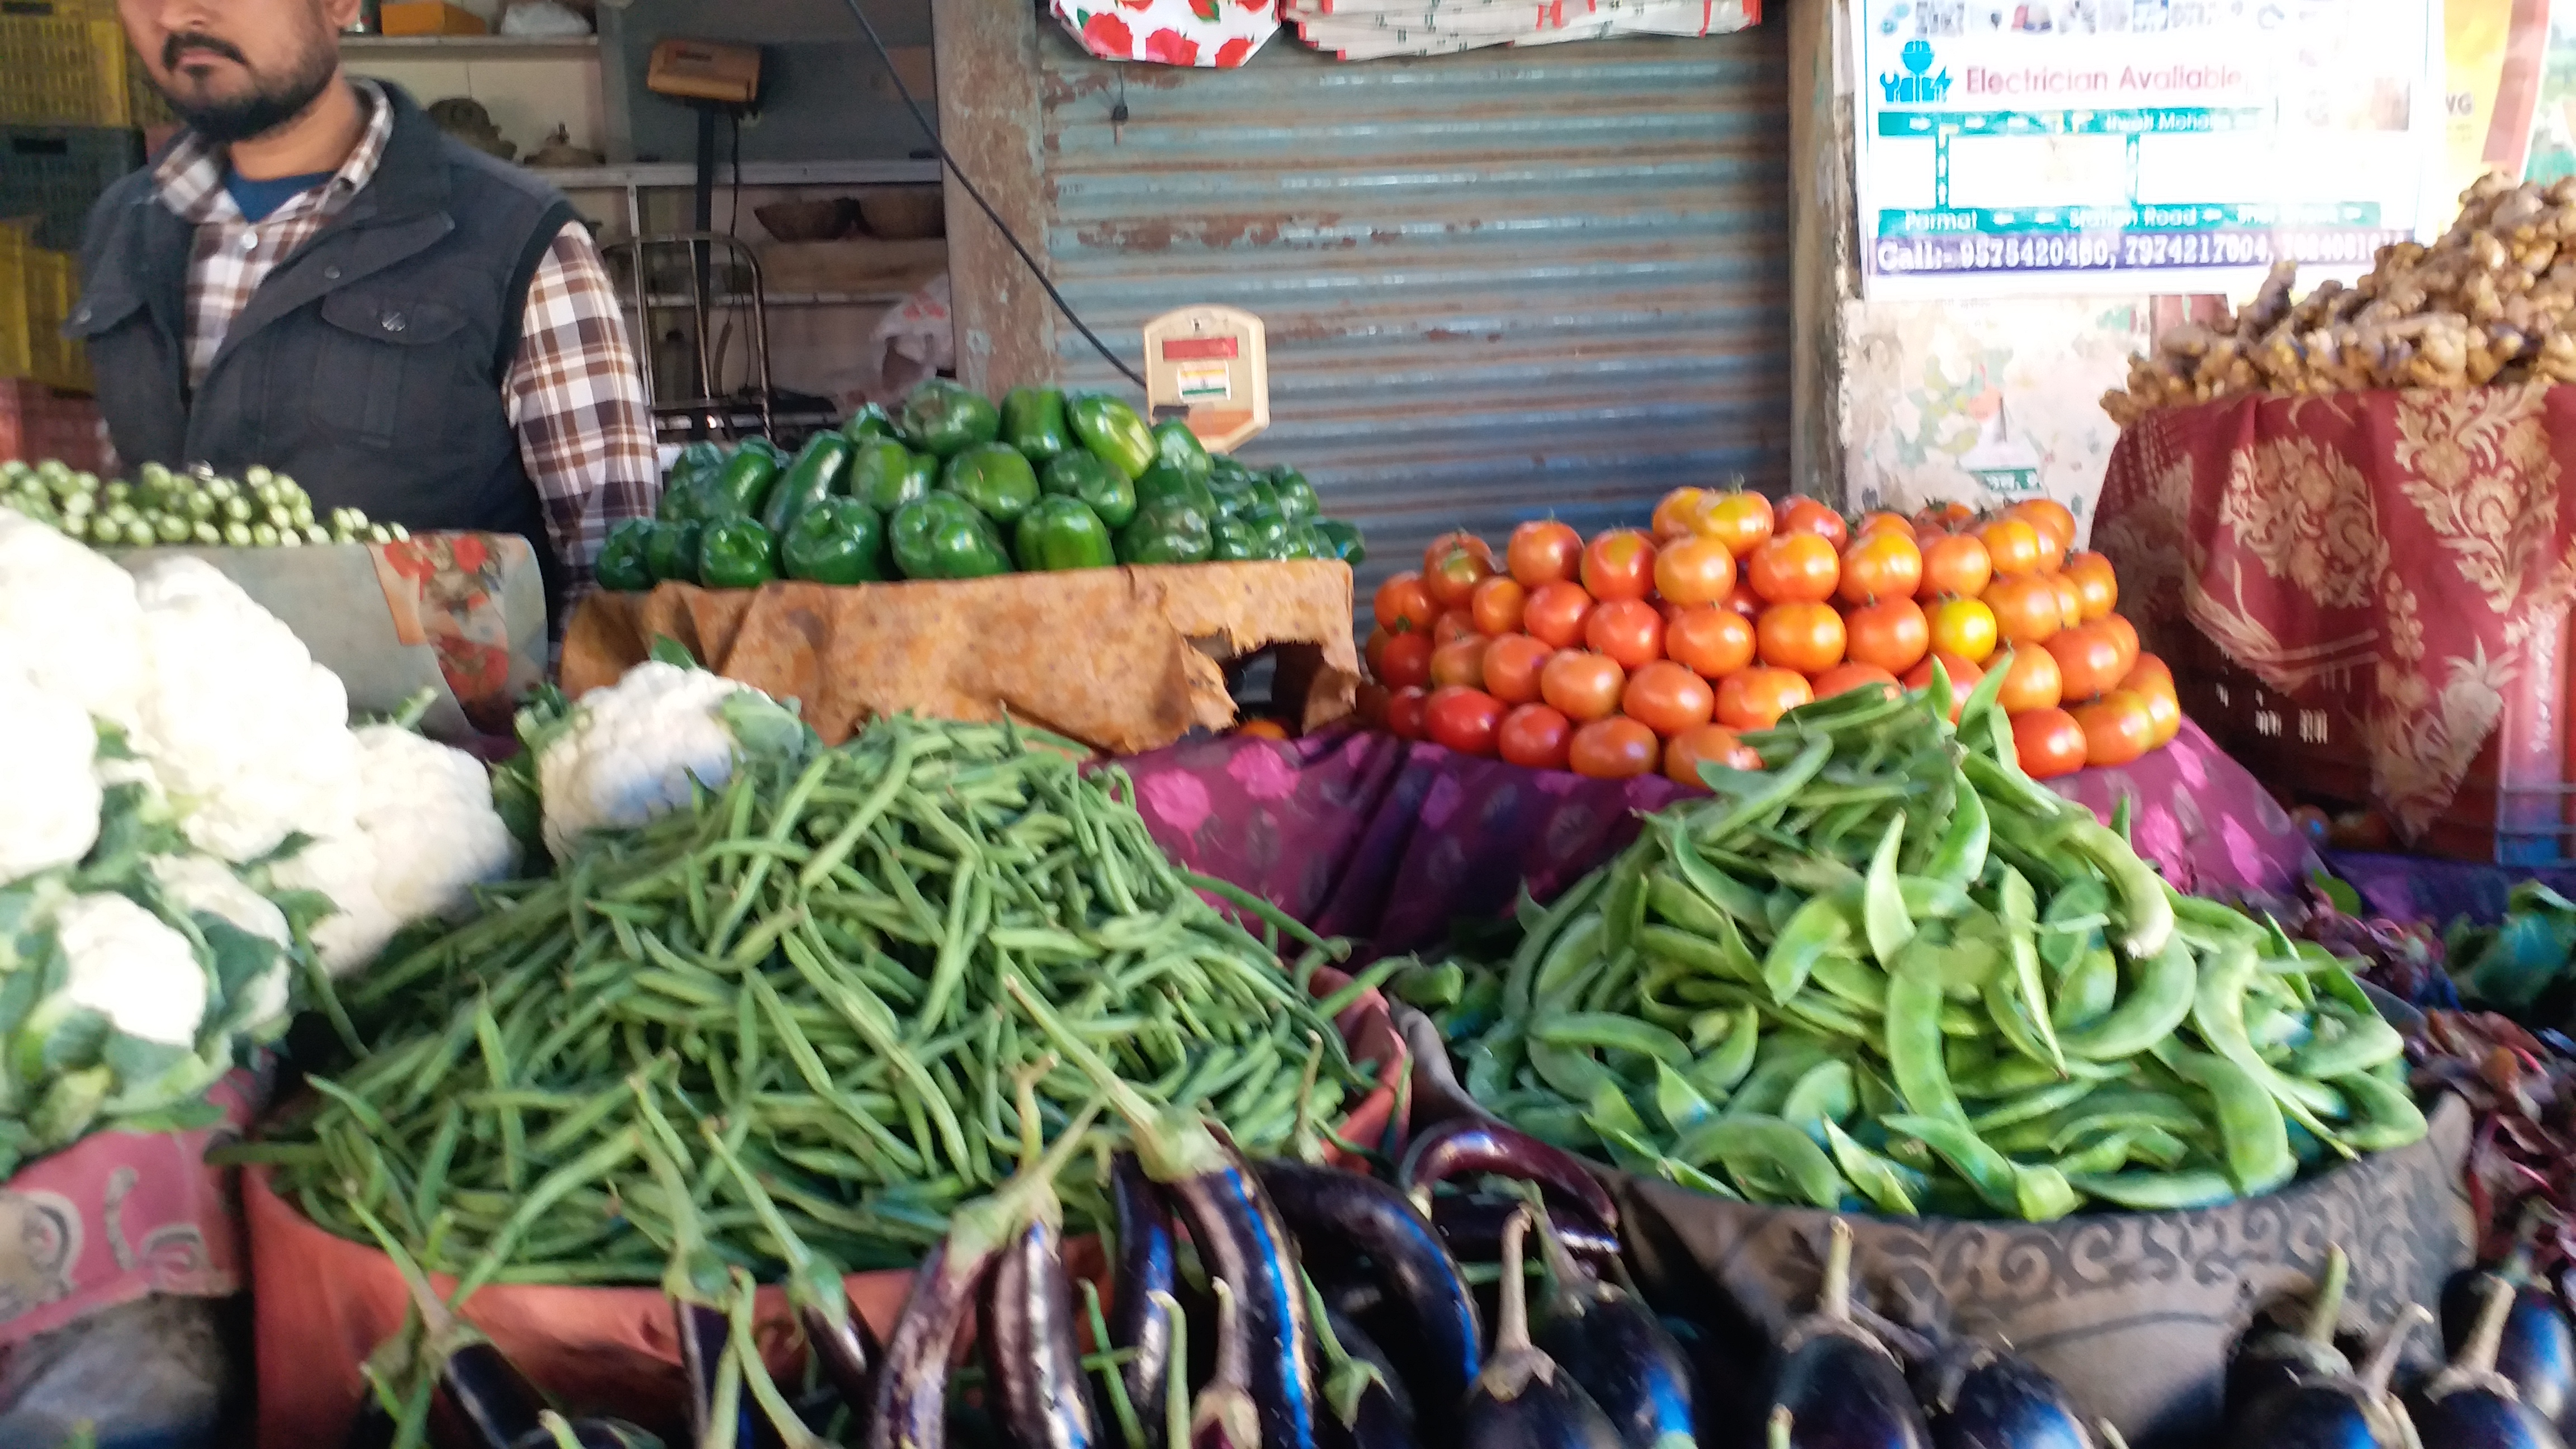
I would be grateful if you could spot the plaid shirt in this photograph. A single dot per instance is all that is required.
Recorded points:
(573, 392)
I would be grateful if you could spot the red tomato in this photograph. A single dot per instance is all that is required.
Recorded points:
(1844, 678)
(1881, 566)
(1450, 575)
(1746, 602)
(2025, 607)
(1628, 630)
(1404, 710)
(2124, 634)
(1369, 700)
(1892, 634)
(1402, 603)
(1457, 539)
(1373, 653)
(1947, 515)
(1544, 551)
(1795, 568)
(1497, 604)
(1535, 737)
(1586, 687)
(2054, 522)
(1754, 699)
(1711, 641)
(2031, 680)
(1668, 699)
(1407, 662)
(1617, 748)
(2088, 662)
(2049, 742)
(1963, 673)
(1620, 564)
(1556, 613)
(2095, 583)
(1808, 638)
(1883, 522)
(1462, 719)
(1809, 515)
(1714, 744)
(1674, 515)
(1460, 662)
(1740, 520)
(1694, 570)
(1453, 626)
(1512, 664)
(1955, 566)
(2070, 600)
(2118, 728)
(2149, 676)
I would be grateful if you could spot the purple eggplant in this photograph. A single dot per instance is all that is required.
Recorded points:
(2469, 1405)
(1437, 1095)
(1031, 1345)
(2275, 1358)
(1368, 1406)
(1225, 1415)
(1617, 1350)
(1472, 1146)
(2337, 1411)
(1361, 1347)
(700, 1289)
(483, 1401)
(1979, 1397)
(1472, 1225)
(2537, 1354)
(1837, 1385)
(1342, 1218)
(1148, 1267)
(1524, 1399)
(1234, 1228)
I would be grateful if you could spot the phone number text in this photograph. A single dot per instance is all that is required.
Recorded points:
(2124, 251)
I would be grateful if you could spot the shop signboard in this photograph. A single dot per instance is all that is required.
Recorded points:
(2141, 146)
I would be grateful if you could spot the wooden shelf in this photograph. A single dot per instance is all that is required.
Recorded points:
(469, 47)
(754, 173)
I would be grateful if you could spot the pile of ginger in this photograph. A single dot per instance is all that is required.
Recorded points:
(2488, 303)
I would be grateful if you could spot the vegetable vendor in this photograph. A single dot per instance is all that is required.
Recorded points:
(314, 278)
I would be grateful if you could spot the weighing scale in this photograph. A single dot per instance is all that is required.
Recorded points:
(1210, 367)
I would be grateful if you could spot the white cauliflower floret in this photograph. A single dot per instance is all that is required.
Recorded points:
(69, 620)
(342, 867)
(49, 808)
(129, 967)
(197, 883)
(631, 751)
(428, 811)
(247, 735)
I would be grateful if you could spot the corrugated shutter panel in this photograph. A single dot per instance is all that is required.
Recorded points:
(1497, 285)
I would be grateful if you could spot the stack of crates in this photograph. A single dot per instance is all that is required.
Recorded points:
(66, 63)
(38, 289)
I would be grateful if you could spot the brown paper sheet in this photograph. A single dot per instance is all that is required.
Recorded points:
(1125, 660)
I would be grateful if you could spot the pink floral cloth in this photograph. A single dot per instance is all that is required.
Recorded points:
(1360, 834)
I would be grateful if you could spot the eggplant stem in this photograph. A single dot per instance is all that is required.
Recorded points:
(2110, 1435)
(2478, 1355)
(438, 1322)
(1782, 1424)
(2327, 1311)
(1305, 1143)
(1173, 1145)
(1834, 1301)
(740, 1341)
(1512, 1335)
(1119, 1404)
(559, 1429)
(2380, 1369)
(724, 1406)
(1565, 1277)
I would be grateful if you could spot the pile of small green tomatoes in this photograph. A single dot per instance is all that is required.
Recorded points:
(953, 486)
(261, 509)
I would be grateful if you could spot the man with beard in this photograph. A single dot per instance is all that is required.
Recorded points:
(312, 277)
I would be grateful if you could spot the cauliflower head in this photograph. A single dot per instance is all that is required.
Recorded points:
(127, 965)
(49, 811)
(428, 811)
(202, 885)
(70, 621)
(342, 867)
(638, 748)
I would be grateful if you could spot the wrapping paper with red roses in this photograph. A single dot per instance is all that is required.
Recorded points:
(1363, 835)
(1208, 34)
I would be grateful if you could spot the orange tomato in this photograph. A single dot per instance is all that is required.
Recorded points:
(2054, 520)
(1809, 515)
(2025, 607)
(1512, 664)
(1744, 601)
(1955, 566)
(1709, 743)
(1668, 699)
(2049, 742)
(1964, 627)
(1710, 641)
(1795, 568)
(1673, 515)
(1496, 605)
(1402, 603)
(1883, 522)
(2031, 681)
(1963, 673)
(1457, 539)
(1892, 634)
(1544, 551)
(1808, 638)
(1628, 630)
(1460, 662)
(2070, 600)
(2166, 713)
(1843, 678)
(2118, 728)
(1585, 687)
(1535, 737)
(1262, 729)
(1741, 520)
(1881, 566)
(2124, 634)
(2096, 582)
(2012, 545)
(1947, 515)
(1614, 749)
(1404, 713)
(1451, 571)
(1694, 570)
(1555, 614)
(2149, 676)
(1455, 625)
(1406, 662)
(1620, 564)
(1754, 699)
(2088, 659)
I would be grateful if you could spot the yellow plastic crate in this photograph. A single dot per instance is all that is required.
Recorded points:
(66, 63)
(17, 330)
(53, 289)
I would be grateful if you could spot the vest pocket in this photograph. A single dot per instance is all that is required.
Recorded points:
(383, 367)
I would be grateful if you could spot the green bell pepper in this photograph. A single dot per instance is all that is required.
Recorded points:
(1232, 491)
(1063, 533)
(1232, 542)
(944, 419)
(814, 476)
(672, 554)
(870, 421)
(1296, 496)
(1077, 474)
(737, 554)
(1175, 446)
(995, 478)
(1345, 539)
(1269, 529)
(837, 541)
(1305, 540)
(1164, 481)
(742, 485)
(944, 537)
(1033, 422)
(882, 475)
(1112, 432)
(1171, 531)
(622, 567)
(697, 462)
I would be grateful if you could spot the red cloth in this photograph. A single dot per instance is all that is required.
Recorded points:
(2405, 558)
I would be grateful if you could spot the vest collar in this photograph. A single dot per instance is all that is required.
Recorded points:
(412, 179)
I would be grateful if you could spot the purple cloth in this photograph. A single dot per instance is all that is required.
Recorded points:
(2421, 888)
(1360, 834)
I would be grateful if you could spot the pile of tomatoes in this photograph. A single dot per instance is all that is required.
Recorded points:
(1640, 650)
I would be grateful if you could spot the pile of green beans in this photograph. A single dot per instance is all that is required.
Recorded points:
(1891, 972)
(816, 960)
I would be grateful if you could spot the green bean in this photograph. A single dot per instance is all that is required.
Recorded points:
(2384, 1114)
(1824, 1094)
(2031, 1105)
(2032, 1193)
(1752, 1146)
(1883, 915)
(2161, 1001)
(1702, 878)
(1913, 1043)
(1604, 1032)
(1890, 1185)
(2158, 1191)
(1821, 925)
(2249, 1122)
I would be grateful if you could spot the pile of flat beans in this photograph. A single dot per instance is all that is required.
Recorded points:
(1891, 972)
(817, 959)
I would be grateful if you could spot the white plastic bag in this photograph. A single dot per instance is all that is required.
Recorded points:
(1208, 34)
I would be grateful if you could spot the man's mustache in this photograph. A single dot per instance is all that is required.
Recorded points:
(186, 40)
